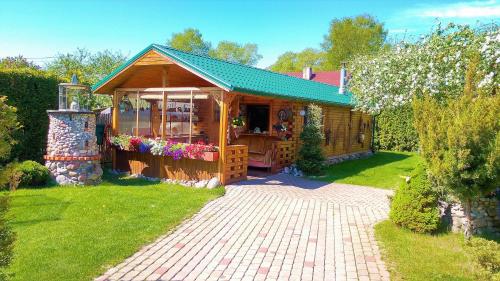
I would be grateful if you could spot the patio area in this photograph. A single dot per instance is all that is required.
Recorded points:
(274, 228)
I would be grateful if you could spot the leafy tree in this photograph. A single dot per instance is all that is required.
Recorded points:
(352, 36)
(17, 62)
(8, 125)
(89, 67)
(460, 141)
(234, 52)
(434, 65)
(451, 76)
(311, 159)
(190, 40)
(290, 61)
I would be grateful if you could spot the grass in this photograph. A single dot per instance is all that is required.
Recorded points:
(75, 233)
(385, 169)
(411, 256)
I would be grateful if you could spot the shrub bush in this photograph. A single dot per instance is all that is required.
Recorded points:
(26, 174)
(8, 125)
(32, 92)
(486, 254)
(395, 130)
(6, 237)
(415, 204)
(311, 159)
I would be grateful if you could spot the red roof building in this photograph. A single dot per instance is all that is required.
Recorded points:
(326, 77)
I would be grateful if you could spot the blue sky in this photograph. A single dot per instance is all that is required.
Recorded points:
(39, 29)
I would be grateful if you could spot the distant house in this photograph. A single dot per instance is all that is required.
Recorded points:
(326, 77)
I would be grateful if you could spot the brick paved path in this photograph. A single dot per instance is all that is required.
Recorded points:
(274, 228)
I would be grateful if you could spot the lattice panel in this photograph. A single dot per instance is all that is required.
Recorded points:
(236, 163)
(285, 154)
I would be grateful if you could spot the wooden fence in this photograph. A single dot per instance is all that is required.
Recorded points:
(284, 154)
(235, 168)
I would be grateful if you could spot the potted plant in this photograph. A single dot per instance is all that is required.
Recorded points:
(211, 153)
(201, 151)
(238, 125)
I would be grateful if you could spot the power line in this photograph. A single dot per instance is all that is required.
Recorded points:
(41, 58)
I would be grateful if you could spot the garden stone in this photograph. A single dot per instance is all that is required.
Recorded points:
(201, 184)
(213, 183)
(61, 180)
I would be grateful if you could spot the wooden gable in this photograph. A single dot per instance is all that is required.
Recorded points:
(147, 71)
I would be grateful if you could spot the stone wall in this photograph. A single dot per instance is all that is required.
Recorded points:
(71, 134)
(75, 172)
(72, 152)
(485, 216)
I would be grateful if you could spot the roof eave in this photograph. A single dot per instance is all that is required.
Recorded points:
(122, 67)
(250, 91)
(211, 78)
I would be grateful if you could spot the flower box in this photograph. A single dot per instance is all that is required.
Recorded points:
(210, 156)
(199, 151)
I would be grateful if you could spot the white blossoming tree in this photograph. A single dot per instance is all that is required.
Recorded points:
(451, 78)
(435, 65)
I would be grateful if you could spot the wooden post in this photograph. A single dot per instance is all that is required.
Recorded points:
(164, 83)
(115, 124)
(191, 117)
(222, 136)
(137, 114)
(116, 112)
(164, 116)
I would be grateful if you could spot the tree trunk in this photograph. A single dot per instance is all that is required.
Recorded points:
(468, 215)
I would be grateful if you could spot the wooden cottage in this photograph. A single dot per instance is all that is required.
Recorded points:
(171, 99)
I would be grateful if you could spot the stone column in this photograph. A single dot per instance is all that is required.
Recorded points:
(72, 153)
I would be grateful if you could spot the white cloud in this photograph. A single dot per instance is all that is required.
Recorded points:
(476, 9)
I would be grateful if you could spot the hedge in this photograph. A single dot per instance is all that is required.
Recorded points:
(395, 130)
(32, 92)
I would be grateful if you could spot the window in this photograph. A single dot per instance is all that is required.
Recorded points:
(128, 114)
(258, 117)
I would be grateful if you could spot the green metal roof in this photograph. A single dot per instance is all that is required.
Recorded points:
(246, 79)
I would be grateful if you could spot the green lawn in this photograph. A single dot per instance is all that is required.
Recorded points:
(74, 233)
(411, 256)
(385, 169)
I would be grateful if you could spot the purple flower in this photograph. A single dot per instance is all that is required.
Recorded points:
(143, 148)
(177, 154)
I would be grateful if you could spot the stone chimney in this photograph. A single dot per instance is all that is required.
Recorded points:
(342, 79)
(72, 153)
(307, 73)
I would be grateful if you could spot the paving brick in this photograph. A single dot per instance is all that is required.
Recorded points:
(274, 228)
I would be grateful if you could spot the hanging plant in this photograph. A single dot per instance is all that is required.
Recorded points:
(238, 122)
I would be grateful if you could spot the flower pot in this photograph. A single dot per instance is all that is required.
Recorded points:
(210, 156)
(238, 131)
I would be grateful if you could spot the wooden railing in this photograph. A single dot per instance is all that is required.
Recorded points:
(236, 164)
(284, 154)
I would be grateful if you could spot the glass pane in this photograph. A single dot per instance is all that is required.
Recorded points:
(128, 114)
(144, 117)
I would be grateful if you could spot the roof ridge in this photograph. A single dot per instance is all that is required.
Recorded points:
(240, 64)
